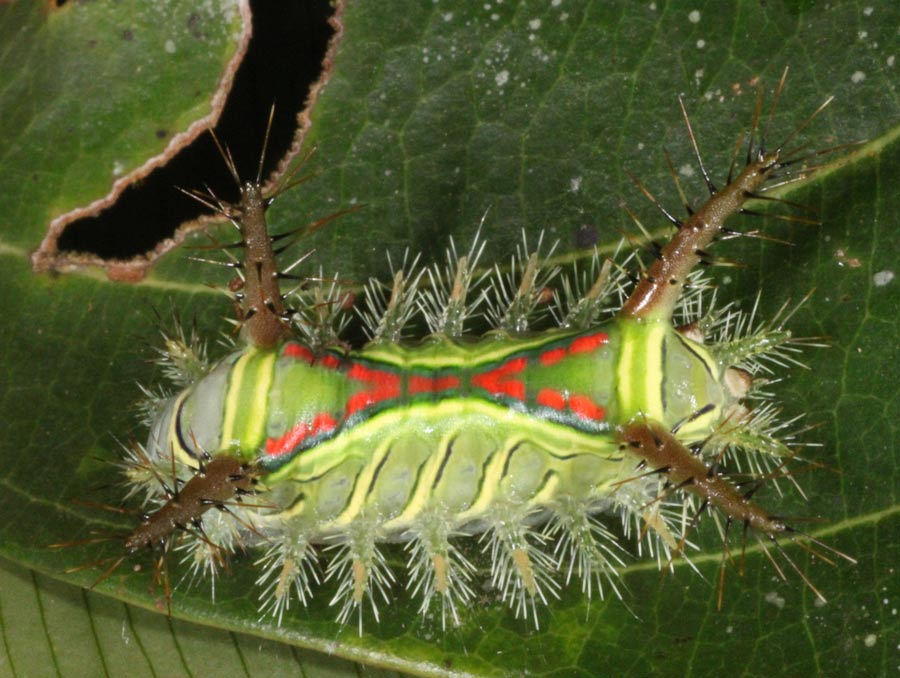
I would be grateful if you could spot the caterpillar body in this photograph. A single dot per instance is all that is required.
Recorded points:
(519, 439)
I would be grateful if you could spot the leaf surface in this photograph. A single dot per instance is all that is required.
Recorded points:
(435, 116)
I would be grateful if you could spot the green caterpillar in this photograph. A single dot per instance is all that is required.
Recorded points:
(518, 439)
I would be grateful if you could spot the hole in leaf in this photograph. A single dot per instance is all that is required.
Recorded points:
(283, 60)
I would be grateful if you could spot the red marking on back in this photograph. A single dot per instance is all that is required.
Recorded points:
(329, 361)
(549, 397)
(499, 381)
(298, 351)
(358, 401)
(588, 343)
(321, 423)
(586, 408)
(382, 386)
(551, 357)
(419, 384)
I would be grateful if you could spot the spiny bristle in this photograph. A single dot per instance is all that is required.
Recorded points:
(585, 295)
(656, 518)
(152, 402)
(696, 302)
(437, 568)
(183, 361)
(522, 568)
(181, 357)
(289, 569)
(448, 303)
(584, 548)
(207, 544)
(518, 294)
(391, 307)
(321, 316)
(361, 570)
(741, 341)
(759, 438)
(142, 474)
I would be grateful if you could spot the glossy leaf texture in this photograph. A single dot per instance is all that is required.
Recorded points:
(434, 116)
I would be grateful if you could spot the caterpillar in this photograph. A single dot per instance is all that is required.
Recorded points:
(517, 443)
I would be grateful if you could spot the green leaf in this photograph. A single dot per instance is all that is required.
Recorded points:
(94, 96)
(51, 628)
(435, 114)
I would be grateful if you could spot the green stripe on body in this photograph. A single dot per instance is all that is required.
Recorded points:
(244, 422)
(640, 370)
(440, 353)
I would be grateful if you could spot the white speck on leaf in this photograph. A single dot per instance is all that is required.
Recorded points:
(501, 78)
(857, 77)
(870, 639)
(126, 638)
(882, 278)
(170, 47)
(774, 599)
(694, 16)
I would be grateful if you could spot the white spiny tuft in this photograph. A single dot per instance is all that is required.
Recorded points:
(521, 569)
(586, 294)
(289, 567)
(759, 438)
(742, 341)
(181, 357)
(207, 544)
(658, 518)
(517, 295)
(584, 547)
(360, 569)
(391, 307)
(151, 404)
(437, 568)
(447, 305)
(697, 303)
(183, 361)
(144, 477)
(322, 319)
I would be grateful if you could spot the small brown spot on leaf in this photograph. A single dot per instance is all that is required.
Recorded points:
(194, 25)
